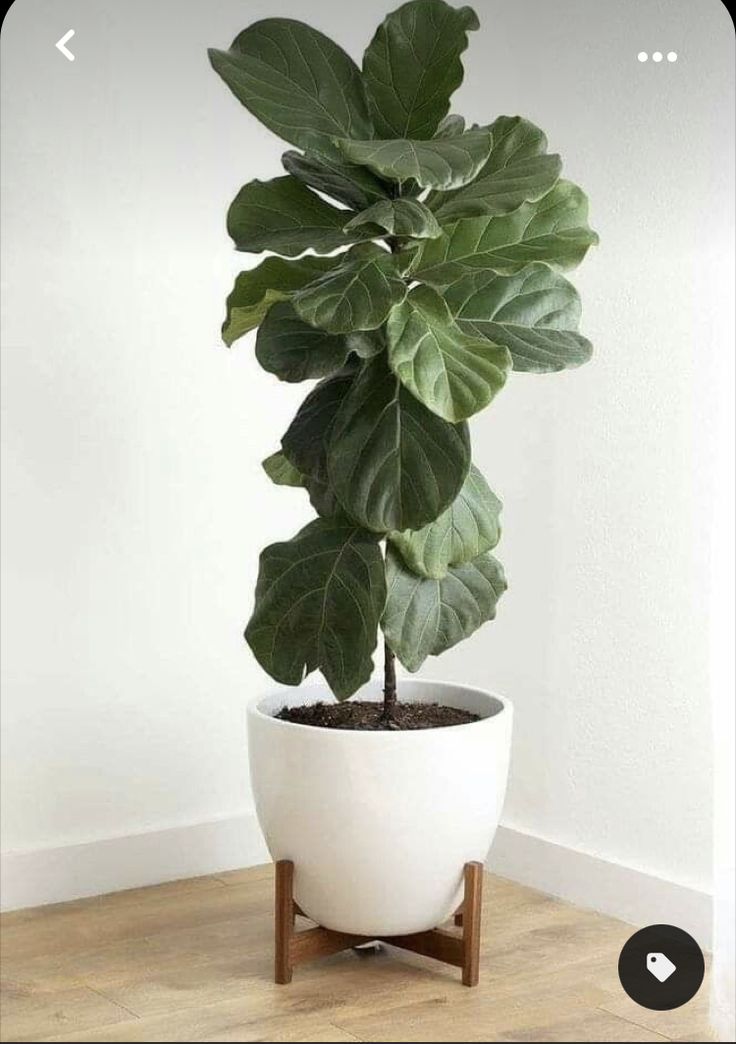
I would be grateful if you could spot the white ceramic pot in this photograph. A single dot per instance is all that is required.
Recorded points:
(380, 824)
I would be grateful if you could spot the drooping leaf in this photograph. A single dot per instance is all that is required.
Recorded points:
(465, 530)
(425, 617)
(319, 599)
(534, 313)
(281, 471)
(354, 186)
(441, 163)
(357, 294)
(517, 170)
(295, 350)
(259, 288)
(306, 438)
(450, 126)
(285, 216)
(453, 374)
(398, 217)
(297, 82)
(392, 463)
(412, 66)
(553, 229)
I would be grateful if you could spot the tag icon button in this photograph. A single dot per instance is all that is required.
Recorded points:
(660, 966)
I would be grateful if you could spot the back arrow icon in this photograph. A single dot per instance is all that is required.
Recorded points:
(64, 50)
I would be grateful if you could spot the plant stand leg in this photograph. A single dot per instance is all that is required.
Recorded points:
(460, 950)
(284, 920)
(292, 947)
(472, 903)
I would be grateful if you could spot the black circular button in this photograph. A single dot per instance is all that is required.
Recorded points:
(661, 967)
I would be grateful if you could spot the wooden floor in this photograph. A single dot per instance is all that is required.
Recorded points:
(192, 961)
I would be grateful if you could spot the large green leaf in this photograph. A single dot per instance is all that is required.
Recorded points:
(259, 288)
(424, 617)
(453, 374)
(297, 82)
(441, 163)
(306, 438)
(285, 216)
(354, 186)
(534, 313)
(357, 294)
(392, 463)
(296, 351)
(281, 471)
(469, 527)
(398, 217)
(518, 169)
(553, 229)
(319, 599)
(412, 66)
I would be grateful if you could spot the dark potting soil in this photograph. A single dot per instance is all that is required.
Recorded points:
(365, 715)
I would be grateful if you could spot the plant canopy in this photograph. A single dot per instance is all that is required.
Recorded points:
(414, 263)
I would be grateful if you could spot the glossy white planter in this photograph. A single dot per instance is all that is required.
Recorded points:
(380, 824)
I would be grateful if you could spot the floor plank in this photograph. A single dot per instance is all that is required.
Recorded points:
(689, 1021)
(192, 961)
(27, 1015)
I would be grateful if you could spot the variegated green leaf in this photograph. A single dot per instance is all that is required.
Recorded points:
(425, 617)
(453, 374)
(535, 313)
(465, 530)
(441, 163)
(357, 294)
(412, 66)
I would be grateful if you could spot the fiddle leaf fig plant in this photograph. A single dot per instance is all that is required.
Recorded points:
(414, 264)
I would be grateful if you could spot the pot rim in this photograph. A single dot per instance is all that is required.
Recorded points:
(372, 735)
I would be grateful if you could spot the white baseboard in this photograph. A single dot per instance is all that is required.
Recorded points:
(51, 875)
(597, 884)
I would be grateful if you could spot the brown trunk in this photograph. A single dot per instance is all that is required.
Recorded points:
(389, 686)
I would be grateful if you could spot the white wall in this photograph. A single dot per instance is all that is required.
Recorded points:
(134, 501)
(607, 473)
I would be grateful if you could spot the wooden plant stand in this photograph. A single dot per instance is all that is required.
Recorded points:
(461, 950)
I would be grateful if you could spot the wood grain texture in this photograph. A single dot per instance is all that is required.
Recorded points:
(193, 961)
(284, 917)
(472, 905)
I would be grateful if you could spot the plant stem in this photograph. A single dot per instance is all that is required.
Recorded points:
(389, 687)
